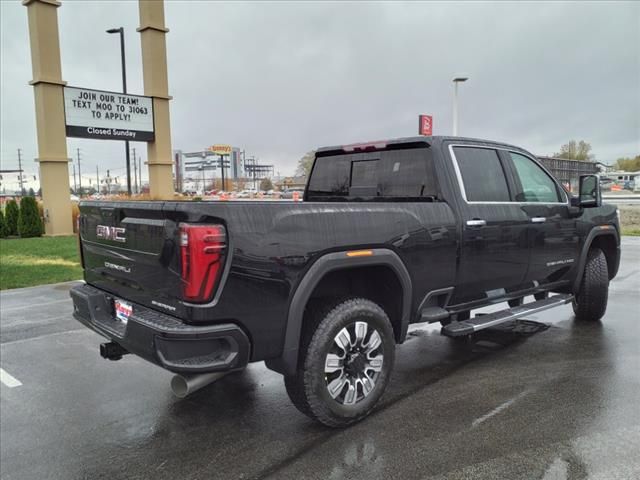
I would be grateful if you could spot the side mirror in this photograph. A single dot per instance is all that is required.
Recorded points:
(589, 192)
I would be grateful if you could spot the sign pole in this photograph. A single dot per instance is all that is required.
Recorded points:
(154, 72)
(124, 90)
(50, 121)
(222, 171)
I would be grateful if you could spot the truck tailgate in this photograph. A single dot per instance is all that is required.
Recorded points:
(130, 249)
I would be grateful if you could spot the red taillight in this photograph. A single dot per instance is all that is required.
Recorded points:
(201, 255)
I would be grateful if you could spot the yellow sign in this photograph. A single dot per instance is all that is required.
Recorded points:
(221, 149)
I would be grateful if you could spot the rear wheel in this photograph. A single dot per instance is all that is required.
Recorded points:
(590, 303)
(346, 358)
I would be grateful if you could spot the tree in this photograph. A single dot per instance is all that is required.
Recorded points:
(3, 226)
(305, 163)
(266, 184)
(228, 184)
(241, 184)
(627, 164)
(32, 192)
(12, 212)
(575, 151)
(29, 222)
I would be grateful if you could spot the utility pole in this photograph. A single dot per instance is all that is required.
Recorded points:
(79, 175)
(108, 180)
(97, 179)
(20, 174)
(140, 170)
(75, 186)
(135, 171)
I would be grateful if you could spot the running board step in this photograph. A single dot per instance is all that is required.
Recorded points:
(479, 322)
(433, 314)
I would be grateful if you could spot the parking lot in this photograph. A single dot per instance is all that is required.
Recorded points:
(528, 402)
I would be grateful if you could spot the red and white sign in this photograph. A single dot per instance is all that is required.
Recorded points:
(425, 125)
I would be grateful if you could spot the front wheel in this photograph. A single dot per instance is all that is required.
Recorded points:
(590, 303)
(346, 358)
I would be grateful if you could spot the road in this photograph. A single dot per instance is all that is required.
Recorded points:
(554, 400)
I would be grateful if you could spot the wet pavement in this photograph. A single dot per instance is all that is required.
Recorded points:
(553, 401)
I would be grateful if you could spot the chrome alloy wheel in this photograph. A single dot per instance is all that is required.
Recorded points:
(353, 363)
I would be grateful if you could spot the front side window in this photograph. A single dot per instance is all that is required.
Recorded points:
(535, 184)
(482, 174)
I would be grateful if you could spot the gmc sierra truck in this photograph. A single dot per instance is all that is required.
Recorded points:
(390, 233)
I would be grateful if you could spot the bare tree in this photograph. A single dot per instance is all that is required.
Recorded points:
(575, 151)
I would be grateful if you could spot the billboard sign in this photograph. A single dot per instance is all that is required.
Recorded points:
(221, 149)
(108, 115)
(425, 125)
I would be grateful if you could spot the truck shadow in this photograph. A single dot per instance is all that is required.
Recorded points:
(249, 413)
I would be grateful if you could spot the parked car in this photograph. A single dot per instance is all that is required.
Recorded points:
(415, 230)
(288, 194)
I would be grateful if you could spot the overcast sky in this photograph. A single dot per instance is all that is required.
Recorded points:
(279, 79)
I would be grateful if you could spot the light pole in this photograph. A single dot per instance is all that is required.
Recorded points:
(456, 81)
(120, 30)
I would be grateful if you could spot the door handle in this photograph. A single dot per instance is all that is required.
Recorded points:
(538, 219)
(476, 222)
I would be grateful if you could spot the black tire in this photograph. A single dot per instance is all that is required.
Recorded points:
(541, 295)
(308, 389)
(516, 302)
(590, 303)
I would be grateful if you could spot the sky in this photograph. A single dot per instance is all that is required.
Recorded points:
(281, 78)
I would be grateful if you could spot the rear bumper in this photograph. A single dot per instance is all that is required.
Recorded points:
(160, 338)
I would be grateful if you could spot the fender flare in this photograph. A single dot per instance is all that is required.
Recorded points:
(582, 260)
(287, 363)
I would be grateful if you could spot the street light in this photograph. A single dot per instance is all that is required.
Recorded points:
(456, 81)
(120, 30)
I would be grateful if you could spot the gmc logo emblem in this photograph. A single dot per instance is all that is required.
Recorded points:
(110, 233)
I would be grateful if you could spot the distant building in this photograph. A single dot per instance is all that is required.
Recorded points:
(568, 171)
(291, 182)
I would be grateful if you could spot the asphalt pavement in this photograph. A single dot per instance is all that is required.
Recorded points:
(549, 399)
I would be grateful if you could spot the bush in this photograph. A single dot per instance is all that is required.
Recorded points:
(29, 222)
(12, 213)
(3, 226)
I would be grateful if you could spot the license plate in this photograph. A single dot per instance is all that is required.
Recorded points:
(123, 310)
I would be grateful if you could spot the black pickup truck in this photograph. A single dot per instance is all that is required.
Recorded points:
(390, 233)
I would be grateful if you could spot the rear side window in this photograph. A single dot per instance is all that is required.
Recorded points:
(404, 174)
(482, 174)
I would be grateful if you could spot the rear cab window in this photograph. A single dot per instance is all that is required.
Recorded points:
(402, 174)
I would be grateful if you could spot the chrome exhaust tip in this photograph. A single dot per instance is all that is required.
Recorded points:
(184, 385)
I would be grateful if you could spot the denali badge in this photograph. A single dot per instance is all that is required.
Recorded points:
(115, 266)
(110, 233)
